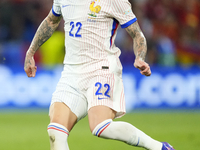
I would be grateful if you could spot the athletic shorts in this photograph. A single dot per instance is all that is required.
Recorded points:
(81, 91)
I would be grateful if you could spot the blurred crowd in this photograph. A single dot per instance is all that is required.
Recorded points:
(171, 27)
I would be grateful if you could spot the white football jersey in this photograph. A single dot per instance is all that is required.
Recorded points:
(90, 29)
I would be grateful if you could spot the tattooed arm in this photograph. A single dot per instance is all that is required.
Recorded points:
(43, 33)
(140, 48)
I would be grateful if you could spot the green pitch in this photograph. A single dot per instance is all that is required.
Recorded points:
(26, 130)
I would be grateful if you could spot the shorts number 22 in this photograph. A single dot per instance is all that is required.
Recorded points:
(99, 85)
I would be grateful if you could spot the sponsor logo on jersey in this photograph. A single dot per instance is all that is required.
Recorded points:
(127, 11)
(99, 98)
(63, 6)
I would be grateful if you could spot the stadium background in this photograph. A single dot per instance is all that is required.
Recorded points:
(170, 96)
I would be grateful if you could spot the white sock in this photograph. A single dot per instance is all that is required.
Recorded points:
(127, 133)
(58, 135)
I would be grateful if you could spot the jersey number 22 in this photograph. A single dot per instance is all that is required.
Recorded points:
(75, 26)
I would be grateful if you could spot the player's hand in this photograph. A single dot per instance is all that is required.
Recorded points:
(142, 66)
(29, 65)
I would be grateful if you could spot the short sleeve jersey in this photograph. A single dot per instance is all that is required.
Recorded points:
(91, 27)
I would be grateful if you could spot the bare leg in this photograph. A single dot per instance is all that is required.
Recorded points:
(61, 114)
(62, 120)
(98, 114)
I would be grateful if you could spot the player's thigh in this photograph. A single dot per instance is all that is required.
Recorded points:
(105, 99)
(98, 114)
(60, 113)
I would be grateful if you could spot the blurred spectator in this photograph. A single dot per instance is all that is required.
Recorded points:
(166, 51)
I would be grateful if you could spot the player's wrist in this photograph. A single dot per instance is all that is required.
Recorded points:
(29, 53)
(139, 58)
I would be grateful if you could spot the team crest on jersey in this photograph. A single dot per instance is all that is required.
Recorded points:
(94, 8)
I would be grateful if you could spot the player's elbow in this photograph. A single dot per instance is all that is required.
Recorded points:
(52, 20)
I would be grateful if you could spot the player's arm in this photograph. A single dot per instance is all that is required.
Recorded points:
(140, 48)
(43, 33)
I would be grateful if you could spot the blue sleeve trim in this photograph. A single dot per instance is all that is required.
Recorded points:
(129, 23)
(55, 14)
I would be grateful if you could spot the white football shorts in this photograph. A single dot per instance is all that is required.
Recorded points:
(81, 91)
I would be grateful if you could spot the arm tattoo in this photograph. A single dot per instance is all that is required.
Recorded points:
(139, 41)
(44, 32)
(26, 63)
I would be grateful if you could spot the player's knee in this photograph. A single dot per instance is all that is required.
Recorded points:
(101, 127)
(93, 126)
